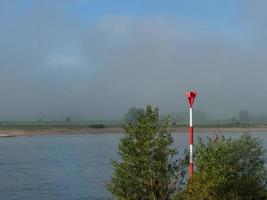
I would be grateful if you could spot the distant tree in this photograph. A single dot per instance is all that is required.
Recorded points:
(229, 169)
(133, 114)
(233, 120)
(68, 119)
(39, 120)
(147, 168)
(243, 116)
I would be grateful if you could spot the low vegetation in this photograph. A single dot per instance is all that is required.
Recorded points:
(55, 125)
(148, 168)
(229, 169)
(226, 169)
(97, 126)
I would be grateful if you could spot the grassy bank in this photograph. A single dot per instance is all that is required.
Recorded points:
(104, 124)
(57, 125)
(38, 128)
(107, 124)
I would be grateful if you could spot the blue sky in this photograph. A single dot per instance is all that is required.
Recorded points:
(218, 14)
(208, 10)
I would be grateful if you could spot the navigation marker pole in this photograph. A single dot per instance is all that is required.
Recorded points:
(191, 97)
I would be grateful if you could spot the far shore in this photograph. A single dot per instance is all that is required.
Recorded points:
(56, 131)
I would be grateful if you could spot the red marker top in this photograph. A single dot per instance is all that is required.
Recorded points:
(191, 97)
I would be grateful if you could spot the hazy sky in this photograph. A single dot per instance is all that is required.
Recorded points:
(93, 59)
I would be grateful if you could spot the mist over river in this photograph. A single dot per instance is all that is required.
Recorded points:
(65, 167)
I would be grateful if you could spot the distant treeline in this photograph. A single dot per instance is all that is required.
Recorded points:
(202, 118)
(45, 125)
(180, 119)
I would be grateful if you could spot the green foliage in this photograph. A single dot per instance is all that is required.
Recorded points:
(147, 169)
(133, 114)
(229, 169)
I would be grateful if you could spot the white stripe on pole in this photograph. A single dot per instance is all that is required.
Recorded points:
(191, 118)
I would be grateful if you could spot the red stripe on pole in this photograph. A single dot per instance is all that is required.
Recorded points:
(191, 136)
(191, 169)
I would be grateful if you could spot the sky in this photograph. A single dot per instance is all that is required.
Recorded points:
(94, 59)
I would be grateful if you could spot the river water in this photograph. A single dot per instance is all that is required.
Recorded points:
(65, 167)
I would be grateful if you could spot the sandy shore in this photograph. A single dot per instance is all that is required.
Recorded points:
(55, 131)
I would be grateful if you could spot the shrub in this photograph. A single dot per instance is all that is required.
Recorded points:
(229, 169)
(147, 169)
(133, 114)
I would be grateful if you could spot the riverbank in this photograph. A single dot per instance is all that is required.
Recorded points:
(56, 131)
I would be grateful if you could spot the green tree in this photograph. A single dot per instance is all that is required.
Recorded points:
(133, 114)
(229, 169)
(147, 168)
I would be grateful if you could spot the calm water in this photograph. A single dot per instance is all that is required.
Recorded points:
(63, 167)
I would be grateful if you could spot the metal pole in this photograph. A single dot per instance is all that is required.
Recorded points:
(191, 140)
(191, 97)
